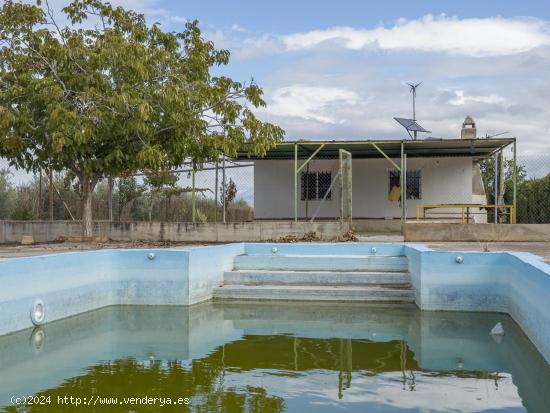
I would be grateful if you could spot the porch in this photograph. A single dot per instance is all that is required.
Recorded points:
(302, 180)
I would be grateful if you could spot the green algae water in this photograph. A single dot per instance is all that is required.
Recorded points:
(291, 357)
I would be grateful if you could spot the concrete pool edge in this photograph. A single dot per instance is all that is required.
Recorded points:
(75, 282)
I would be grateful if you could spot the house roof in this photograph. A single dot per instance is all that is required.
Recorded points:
(365, 149)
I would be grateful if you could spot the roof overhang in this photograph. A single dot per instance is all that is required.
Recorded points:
(366, 149)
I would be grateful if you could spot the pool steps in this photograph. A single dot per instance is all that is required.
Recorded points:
(321, 262)
(288, 277)
(359, 278)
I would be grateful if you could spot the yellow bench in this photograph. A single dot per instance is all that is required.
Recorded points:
(465, 210)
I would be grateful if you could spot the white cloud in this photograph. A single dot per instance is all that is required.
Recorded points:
(309, 102)
(460, 99)
(178, 19)
(502, 93)
(236, 28)
(242, 48)
(474, 37)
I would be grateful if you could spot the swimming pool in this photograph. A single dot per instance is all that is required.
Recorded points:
(103, 294)
(266, 357)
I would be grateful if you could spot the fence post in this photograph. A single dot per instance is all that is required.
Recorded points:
(39, 215)
(193, 193)
(216, 195)
(50, 194)
(295, 182)
(307, 191)
(402, 185)
(110, 198)
(515, 180)
(223, 188)
(496, 189)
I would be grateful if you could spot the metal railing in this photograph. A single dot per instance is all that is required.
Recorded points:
(466, 210)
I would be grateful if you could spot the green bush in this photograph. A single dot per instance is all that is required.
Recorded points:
(23, 214)
(200, 217)
(7, 194)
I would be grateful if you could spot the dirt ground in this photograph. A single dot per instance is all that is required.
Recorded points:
(12, 251)
(541, 249)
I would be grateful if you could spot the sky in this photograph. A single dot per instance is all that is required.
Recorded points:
(338, 69)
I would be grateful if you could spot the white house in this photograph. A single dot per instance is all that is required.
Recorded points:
(438, 171)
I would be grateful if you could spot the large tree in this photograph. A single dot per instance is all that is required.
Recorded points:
(106, 94)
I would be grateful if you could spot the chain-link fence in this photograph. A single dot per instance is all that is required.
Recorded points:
(446, 180)
(220, 195)
(532, 185)
(533, 190)
(231, 199)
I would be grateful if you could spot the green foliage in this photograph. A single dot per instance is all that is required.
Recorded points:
(132, 201)
(128, 192)
(115, 95)
(159, 180)
(200, 217)
(532, 195)
(533, 200)
(7, 194)
(487, 168)
(23, 213)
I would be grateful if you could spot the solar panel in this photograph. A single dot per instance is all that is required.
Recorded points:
(411, 125)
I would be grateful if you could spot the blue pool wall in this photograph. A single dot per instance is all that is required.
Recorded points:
(509, 282)
(76, 282)
(73, 283)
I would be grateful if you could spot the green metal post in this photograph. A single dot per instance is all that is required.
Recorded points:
(386, 156)
(402, 185)
(515, 184)
(350, 183)
(308, 160)
(216, 195)
(307, 192)
(193, 194)
(295, 182)
(341, 179)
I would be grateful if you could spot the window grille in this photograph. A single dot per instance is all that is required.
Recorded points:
(315, 185)
(414, 183)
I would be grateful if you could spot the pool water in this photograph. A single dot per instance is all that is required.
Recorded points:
(284, 357)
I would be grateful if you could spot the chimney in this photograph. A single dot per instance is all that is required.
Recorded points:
(469, 130)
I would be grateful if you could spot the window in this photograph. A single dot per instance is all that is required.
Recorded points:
(414, 183)
(315, 185)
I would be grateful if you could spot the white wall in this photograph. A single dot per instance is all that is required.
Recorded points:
(444, 180)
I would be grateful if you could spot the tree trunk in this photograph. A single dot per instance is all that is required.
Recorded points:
(87, 188)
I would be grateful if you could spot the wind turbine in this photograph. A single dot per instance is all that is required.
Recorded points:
(413, 91)
(410, 124)
(413, 87)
